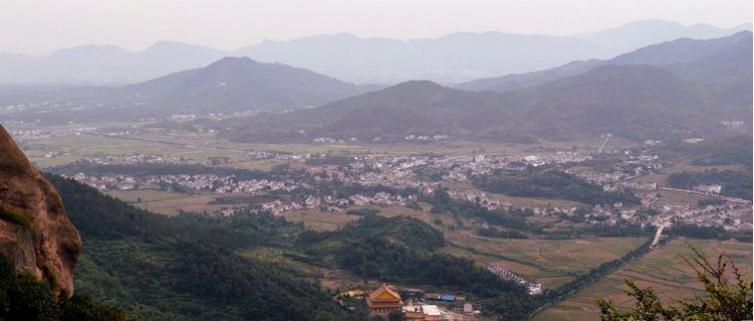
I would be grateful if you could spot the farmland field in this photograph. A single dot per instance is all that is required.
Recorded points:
(551, 262)
(169, 203)
(327, 221)
(662, 269)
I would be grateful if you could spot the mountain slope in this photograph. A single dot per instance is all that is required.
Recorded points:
(229, 85)
(238, 84)
(420, 108)
(636, 102)
(35, 233)
(703, 61)
(188, 267)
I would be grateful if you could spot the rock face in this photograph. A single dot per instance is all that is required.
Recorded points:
(35, 233)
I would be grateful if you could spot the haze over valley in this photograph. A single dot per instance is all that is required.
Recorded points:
(490, 175)
(451, 58)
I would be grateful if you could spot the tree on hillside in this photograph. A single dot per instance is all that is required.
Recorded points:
(724, 299)
(23, 298)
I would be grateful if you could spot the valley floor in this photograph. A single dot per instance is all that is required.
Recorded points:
(663, 269)
(543, 256)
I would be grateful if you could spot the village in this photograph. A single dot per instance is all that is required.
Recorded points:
(422, 174)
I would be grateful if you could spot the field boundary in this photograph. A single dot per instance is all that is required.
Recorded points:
(603, 270)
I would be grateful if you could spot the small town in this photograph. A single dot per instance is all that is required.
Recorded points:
(424, 174)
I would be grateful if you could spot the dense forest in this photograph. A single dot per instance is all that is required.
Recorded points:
(187, 267)
(547, 183)
(23, 298)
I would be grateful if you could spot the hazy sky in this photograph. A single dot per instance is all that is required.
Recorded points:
(41, 26)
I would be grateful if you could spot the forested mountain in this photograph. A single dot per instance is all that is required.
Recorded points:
(237, 84)
(229, 85)
(188, 267)
(720, 68)
(683, 88)
(635, 102)
(708, 58)
(410, 108)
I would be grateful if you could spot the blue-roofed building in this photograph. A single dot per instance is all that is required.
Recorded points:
(447, 298)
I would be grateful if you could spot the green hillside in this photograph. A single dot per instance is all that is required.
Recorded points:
(186, 268)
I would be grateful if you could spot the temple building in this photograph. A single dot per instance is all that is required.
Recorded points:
(384, 300)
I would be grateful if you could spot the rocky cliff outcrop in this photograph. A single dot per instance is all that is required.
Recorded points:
(35, 233)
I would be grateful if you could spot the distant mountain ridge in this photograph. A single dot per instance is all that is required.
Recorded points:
(686, 95)
(646, 32)
(450, 59)
(104, 65)
(634, 102)
(231, 85)
(464, 56)
(701, 61)
(236, 84)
